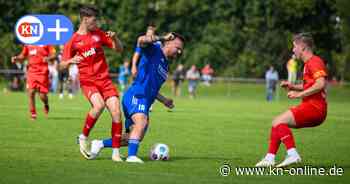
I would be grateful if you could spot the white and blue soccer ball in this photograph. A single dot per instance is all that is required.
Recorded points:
(159, 151)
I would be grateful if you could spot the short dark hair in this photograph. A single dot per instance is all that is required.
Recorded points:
(88, 11)
(305, 38)
(179, 36)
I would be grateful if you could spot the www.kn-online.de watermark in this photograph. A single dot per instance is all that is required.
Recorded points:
(227, 169)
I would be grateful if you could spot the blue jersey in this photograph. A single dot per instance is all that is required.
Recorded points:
(152, 72)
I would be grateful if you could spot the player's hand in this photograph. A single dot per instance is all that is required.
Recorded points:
(286, 85)
(14, 59)
(169, 36)
(76, 59)
(169, 103)
(133, 71)
(111, 34)
(294, 94)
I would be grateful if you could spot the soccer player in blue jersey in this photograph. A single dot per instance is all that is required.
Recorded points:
(152, 73)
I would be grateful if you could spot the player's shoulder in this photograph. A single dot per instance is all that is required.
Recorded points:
(316, 60)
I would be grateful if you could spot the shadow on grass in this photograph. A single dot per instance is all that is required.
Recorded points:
(64, 118)
(182, 158)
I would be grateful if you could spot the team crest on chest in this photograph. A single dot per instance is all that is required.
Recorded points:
(96, 38)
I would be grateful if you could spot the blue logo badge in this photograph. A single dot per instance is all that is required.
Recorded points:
(44, 29)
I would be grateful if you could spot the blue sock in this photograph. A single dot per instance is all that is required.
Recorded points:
(107, 143)
(133, 147)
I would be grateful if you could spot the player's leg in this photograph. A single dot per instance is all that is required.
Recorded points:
(280, 132)
(98, 105)
(45, 99)
(136, 135)
(43, 88)
(31, 97)
(98, 145)
(112, 104)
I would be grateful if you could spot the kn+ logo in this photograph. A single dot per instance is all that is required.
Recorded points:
(44, 29)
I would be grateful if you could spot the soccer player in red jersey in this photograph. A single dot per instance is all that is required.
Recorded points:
(85, 49)
(37, 73)
(310, 113)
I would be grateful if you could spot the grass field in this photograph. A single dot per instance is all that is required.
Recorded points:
(225, 124)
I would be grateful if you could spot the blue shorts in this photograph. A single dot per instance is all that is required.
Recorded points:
(133, 104)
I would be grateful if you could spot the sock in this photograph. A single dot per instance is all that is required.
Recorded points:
(285, 135)
(82, 136)
(107, 143)
(292, 152)
(274, 141)
(115, 151)
(133, 147)
(270, 156)
(116, 134)
(89, 124)
(32, 110)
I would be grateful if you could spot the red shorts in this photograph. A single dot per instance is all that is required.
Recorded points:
(308, 115)
(40, 83)
(104, 87)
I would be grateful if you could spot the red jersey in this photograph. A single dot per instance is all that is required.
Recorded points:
(89, 46)
(36, 55)
(314, 68)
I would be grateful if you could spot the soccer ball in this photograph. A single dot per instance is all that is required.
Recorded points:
(159, 151)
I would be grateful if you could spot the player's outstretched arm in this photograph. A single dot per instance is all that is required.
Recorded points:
(317, 87)
(142, 41)
(166, 101)
(19, 58)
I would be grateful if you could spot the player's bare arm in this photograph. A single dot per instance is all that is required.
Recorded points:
(291, 87)
(142, 41)
(116, 44)
(74, 60)
(19, 58)
(135, 60)
(317, 87)
(166, 101)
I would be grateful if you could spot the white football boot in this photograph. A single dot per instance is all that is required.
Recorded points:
(134, 159)
(290, 159)
(96, 147)
(83, 146)
(265, 163)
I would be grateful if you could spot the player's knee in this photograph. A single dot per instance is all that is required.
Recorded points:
(99, 107)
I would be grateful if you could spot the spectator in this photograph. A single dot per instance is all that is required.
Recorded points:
(73, 80)
(271, 78)
(178, 77)
(207, 74)
(123, 76)
(192, 76)
(292, 67)
(53, 76)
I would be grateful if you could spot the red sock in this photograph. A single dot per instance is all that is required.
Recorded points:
(32, 109)
(89, 124)
(285, 135)
(116, 134)
(274, 141)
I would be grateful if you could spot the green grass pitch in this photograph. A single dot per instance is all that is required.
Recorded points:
(227, 123)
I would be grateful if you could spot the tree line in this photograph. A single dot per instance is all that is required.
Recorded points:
(239, 38)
